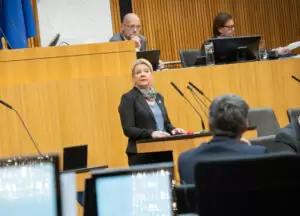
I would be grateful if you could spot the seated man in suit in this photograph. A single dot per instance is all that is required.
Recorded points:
(290, 135)
(228, 116)
(130, 30)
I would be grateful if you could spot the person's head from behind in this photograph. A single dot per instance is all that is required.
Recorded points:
(131, 25)
(223, 25)
(228, 116)
(142, 74)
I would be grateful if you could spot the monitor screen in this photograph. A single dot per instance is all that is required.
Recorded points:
(152, 56)
(28, 190)
(236, 49)
(141, 193)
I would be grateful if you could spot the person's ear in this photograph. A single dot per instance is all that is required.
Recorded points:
(247, 125)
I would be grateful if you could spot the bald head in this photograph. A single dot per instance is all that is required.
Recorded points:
(131, 25)
(130, 17)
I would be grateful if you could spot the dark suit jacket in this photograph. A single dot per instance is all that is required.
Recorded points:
(120, 37)
(218, 146)
(137, 118)
(290, 135)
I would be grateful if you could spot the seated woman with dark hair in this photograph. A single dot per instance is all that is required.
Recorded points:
(223, 26)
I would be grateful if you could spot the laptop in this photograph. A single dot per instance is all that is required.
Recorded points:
(30, 186)
(152, 56)
(137, 190)
(75, 157)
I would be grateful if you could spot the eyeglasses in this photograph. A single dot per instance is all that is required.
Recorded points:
(230, 27)
(138, 27)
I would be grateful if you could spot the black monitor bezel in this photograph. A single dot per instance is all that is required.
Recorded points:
(146, 55)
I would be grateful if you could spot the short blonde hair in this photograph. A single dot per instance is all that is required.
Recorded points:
(139, 62)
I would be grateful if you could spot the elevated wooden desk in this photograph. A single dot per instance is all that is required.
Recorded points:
(44, 64)
(178, 144)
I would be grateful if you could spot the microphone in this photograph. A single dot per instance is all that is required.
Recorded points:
(199, 101)
(198, 90)
(180, 92)
(23, 123)
(54, 41)
(295, 78)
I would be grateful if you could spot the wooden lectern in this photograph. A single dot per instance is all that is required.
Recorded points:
(180, 143)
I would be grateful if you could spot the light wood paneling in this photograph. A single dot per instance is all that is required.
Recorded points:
(184, 24)
(115, 13)
(36, 39)
(46, 64)
(85, 111)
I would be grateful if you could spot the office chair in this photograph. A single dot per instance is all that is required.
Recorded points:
(264, 120)
(188, 57)
(293, 113)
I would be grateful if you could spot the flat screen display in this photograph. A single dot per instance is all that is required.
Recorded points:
(141, 193)
(28, 190)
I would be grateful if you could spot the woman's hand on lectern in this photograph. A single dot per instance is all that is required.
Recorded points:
(159, 134)
(178, 131)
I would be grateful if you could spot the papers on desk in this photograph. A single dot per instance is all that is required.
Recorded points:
(296, 56)
(293, 45)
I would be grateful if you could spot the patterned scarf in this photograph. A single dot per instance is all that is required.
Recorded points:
(149, 94)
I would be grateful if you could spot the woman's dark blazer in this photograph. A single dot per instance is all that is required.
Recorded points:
(137, 118)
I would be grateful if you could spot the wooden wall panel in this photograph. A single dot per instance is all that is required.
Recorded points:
(115, 13)
(37, 38)
(171, 25)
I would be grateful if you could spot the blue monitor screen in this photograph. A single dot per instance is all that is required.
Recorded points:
(147, 194)
(28, 190)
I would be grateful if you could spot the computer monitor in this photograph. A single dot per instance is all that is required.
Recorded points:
(152, 56)
(75, 157)
(140, 190)
(236, 49)
(90, 204)
(30, 186)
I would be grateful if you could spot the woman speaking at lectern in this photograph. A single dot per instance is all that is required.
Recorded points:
(144, 116)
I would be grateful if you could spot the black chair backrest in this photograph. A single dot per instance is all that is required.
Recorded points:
(248, 185)
(293, 114)
(188, 57)
(264, 120)
(185, 198)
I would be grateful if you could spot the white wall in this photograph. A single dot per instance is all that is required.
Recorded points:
(77, 21)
